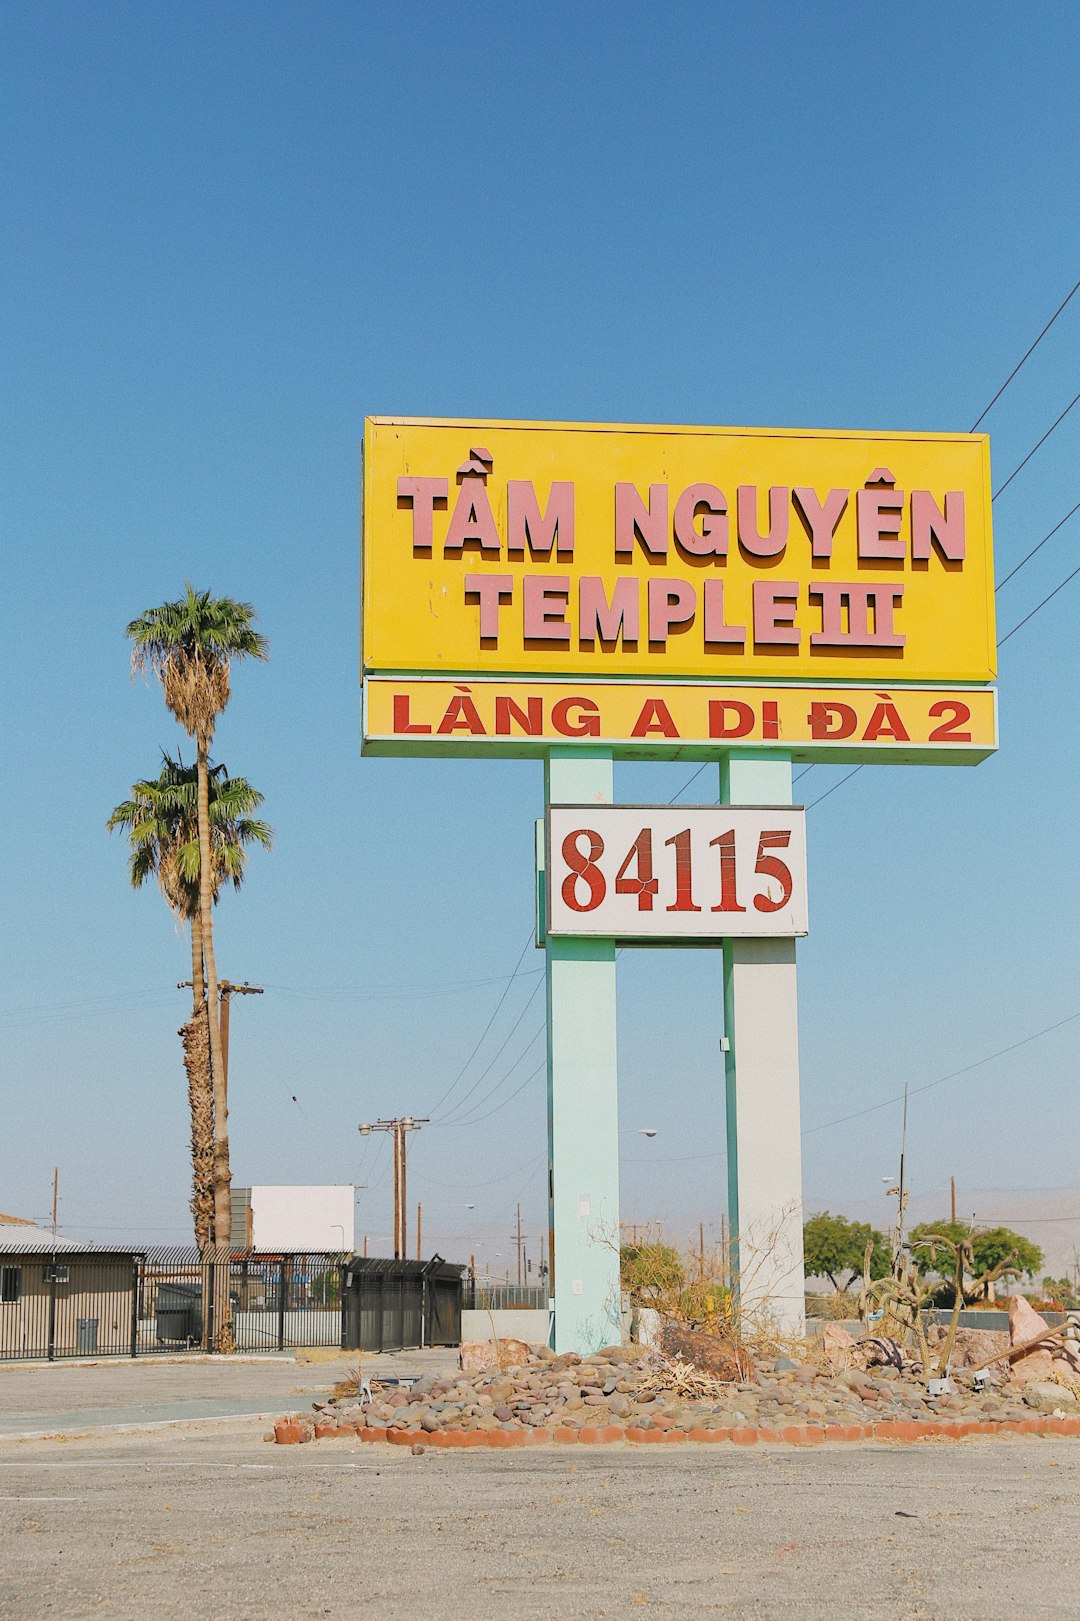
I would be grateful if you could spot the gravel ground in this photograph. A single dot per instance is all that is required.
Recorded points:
(207, 1522)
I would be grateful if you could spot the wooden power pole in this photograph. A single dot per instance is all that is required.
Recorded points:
(399, 1129)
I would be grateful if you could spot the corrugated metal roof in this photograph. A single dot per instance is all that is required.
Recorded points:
(18, 1237)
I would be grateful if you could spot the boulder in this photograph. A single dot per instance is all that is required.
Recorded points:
(478, 1355)
(1047, 1397)
(841, 1349)
(722, 1359)
(1026, 1325)
(975, 1347)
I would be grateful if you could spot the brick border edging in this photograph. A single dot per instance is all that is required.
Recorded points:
(287, 1433)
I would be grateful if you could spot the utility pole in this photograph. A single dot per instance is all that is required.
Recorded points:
(901, 1195)
(226, 989)
(517, 1245)
(399, 1129)
(952, 1194)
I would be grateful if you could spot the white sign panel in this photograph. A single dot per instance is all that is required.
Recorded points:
(303, 1218)
(676, 872)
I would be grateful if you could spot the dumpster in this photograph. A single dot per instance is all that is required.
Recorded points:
(178, 1313)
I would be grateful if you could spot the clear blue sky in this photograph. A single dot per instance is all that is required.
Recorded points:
(231, 231)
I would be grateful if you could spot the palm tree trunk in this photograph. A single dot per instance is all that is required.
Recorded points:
(196, 1038)
(198, 987)
(223, 1335)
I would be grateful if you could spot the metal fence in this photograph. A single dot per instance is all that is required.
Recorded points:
(483, 1295)
(391, 1305)
(108, 1303)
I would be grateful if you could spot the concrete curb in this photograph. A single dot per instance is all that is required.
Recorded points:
(288, 1432)
(83, 1432)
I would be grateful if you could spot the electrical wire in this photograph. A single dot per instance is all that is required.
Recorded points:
(491, 1062)
(350, 993)
(1023, 359)
(435, 1109)
(1035, 549)
(464, 1187)
(941, 1080)
(1039, 606)
(460, 1120)
(854, 772)
(475, 1121)
(1002, 488)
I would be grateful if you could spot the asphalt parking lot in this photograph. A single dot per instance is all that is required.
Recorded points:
(201, 1519)
(39, 1398)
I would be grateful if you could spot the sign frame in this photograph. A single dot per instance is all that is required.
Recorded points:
(791, 813)
(884, 750)
(889, 531)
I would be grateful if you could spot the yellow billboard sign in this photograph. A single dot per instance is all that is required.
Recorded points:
(679, 719)
(732, 554)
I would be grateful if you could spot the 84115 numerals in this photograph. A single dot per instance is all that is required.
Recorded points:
(585, 887)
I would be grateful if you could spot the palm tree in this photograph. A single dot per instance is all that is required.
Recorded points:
(161, 822)
(190, 646)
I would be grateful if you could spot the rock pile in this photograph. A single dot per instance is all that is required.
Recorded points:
(626, 1392)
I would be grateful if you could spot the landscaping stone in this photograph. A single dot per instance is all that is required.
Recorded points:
(477, 1355)
(649, 1397)
(1026, 1324)
(721, 1358)
(1046, 1397)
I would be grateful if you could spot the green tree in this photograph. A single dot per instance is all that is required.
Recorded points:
(650, 1272)
(1062, 1291)
(834, 1248)
(161, 822)
(190, 645)
(991, 1248)
(996, 1244)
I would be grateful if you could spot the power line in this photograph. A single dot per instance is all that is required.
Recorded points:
(350, 993)
(853, 773)
(461, 1120)
(845, 779)
(886, 1103)
(475, 1121)
(680, 791)
(1002, 488)
(952, 1076)
(467, 1187)
(491, 1063)
(1024, 357)
(1039, 605)
(1035, 549)
(486, 1028)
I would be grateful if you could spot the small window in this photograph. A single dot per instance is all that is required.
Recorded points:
(10, 1284)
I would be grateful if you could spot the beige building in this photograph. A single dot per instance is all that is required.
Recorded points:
(59, 1298)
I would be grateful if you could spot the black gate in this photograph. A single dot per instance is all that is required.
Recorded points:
(399, 1305)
